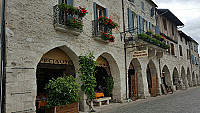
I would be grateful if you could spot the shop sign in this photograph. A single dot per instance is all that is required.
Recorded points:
(55, 61)
(140, 54)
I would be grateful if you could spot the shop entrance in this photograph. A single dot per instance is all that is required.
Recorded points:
(133, 83)
(152, 79)
(53, 64)
(103, 76)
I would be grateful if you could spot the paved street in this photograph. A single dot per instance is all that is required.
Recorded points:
(187, 101)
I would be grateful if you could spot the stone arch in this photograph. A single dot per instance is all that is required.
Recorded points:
(183, 77)
(197, 79)
(175, 77)
(189, 77)
(166, 76)
(135, 80)
(66, 52)
(152, 78)
(193, 79)
(115, 73)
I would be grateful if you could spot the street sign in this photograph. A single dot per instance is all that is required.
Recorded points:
(140, 54)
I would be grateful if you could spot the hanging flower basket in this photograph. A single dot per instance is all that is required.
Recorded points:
(107, 36)
(107, 22)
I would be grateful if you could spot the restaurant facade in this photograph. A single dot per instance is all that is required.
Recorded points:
(41, 46)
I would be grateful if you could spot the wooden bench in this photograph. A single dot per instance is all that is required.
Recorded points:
(99, 100)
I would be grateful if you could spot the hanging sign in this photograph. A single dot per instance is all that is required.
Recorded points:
(140, 54)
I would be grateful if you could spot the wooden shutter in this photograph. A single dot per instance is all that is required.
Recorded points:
(138, 23)
(150, 25)
(147, 25)
(130, 20)
(105, 10)
(95, 10)
(154, 85)
(70, 2)
(59, 1)
(141, 25)
(143, 6)
(157, 31)
(152, 11)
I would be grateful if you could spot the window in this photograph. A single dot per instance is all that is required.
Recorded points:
(168, 50)
(142, 5)
(172, 29)
(172, 49)
(131, 19)
(165, 24)
(131, 1)
(180, 49)
(152, 11)
(68, 2)
(185, 42)
(188, 54)
(181, 38)
(192, 59)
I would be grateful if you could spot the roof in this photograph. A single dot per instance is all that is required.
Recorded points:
(187, 37)
(170, 16)
(153, 3)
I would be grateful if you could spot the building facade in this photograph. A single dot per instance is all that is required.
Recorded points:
(40, 43)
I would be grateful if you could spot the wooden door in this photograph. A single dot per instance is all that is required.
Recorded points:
(154, 85)
(134, 87)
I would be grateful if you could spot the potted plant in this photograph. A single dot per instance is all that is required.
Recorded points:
(81, 11)
(149, 32)
(107, 22)
(67, 8)
(62, 94)
(75, 24)
(107, 36)
(109, 84)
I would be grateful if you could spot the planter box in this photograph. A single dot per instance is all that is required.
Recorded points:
(70, 108)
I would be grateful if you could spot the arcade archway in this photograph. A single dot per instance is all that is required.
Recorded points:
(193, 79)
(109, 67)
(152, 78)
(183, 77)
(135, 80)
(189, 77)
(166, 76)
(175, 78)
(53, 64)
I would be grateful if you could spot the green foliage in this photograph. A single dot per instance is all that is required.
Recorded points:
(75, 24)
(154, 41)
(107, 22)
(62, 91)
(87, 72)
(150, 32)
(109, 84)
(65, 7)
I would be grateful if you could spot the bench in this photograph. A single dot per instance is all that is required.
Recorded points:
(99, 100)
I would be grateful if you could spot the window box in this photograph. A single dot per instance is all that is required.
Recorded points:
(67, 22)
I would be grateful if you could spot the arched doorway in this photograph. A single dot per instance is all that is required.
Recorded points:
(197, 79)
(102, 72)
(53, 64)
(189, 77)
(108, 62)
(166, 79)
(136, 89)
(152, 78)
(193, 79)
(183, 77)
(175, 78)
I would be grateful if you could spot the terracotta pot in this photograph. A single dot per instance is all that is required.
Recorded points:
(70, 108)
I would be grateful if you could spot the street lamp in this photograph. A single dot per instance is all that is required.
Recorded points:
(131, 41)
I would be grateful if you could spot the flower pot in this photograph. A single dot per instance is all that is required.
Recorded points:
(70, 108)
(70, 12)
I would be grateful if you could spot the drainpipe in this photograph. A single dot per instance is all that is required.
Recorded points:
(126, 75)
(2, 55)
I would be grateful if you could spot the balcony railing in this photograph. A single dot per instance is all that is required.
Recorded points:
(150, 38)
(62, 21)
(99, 29)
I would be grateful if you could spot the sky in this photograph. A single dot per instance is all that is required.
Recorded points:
(188, 12)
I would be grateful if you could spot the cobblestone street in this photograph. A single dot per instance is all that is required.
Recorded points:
(187, 101)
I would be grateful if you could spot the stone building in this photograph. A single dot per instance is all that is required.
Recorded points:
(39, 43)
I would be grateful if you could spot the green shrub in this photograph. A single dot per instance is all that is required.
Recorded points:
(62, 91)
(109, 84)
